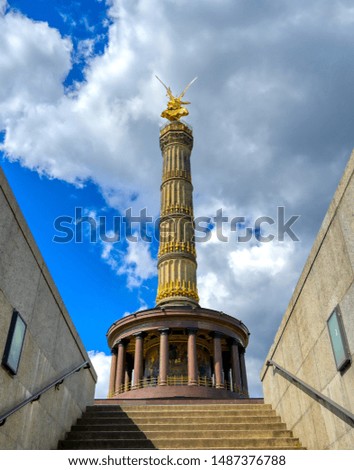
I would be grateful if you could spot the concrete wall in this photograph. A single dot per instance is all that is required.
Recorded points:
(302, 343)
(52, 345)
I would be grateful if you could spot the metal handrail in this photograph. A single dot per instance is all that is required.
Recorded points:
(36, 396)
(331, 405)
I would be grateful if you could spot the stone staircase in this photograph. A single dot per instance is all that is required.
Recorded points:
(231, 424)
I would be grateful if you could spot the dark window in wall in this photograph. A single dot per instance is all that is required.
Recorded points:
(14, 343)
(338, 339)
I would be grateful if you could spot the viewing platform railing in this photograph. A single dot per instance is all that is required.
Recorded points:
(177, 380)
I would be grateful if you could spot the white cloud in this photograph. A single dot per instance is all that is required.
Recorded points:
(266, 259)
(136, 263)
(85, 49)
(3, 6)
(211, 289)
(102, 364)
(345, 13)
(34, 61)
(238, 270)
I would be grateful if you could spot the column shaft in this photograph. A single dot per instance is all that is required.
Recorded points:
(218, 366)
(112, 375)
(164, 357)
(236, 367)
(120, 375)
(138, 360)
(192, 358)
(243, 372)
(126, 381)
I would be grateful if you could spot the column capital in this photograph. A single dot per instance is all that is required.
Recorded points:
(123, 341)
(192, 330)
(216, 334)
(164, 331)
(140, 334)
(235, 341)
(114, 350)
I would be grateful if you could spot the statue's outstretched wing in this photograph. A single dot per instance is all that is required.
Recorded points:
(168, 89)
(189, 84)
(161, 82)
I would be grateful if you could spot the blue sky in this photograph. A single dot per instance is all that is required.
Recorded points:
(79, 124)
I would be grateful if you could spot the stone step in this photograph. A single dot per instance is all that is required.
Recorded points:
(106, 435)
(174, 414)
(175, 435)
(227, 443)
(179, 408)
(117, 420)
(163, 426)
(95, 444)
(225, 426)
(208, 444)
(174, 401)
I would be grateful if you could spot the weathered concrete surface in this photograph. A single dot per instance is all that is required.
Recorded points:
(52, 345)
(302, 343)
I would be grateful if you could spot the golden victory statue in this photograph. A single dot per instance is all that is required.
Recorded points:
(175, 111)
